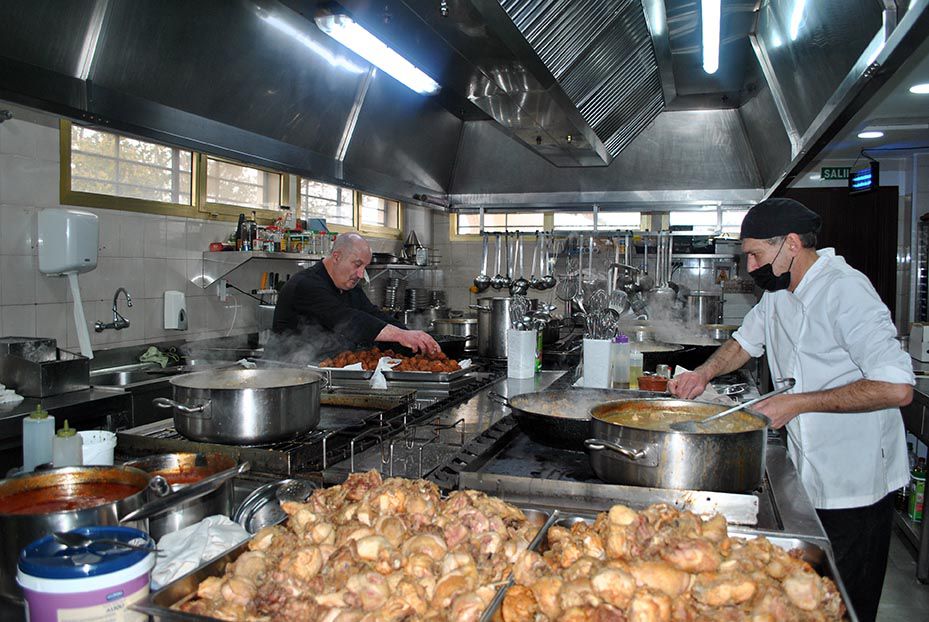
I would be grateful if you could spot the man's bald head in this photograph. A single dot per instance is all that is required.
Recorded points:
(347, 260)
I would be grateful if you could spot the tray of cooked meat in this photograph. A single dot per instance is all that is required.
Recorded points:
(420, 367)
(664, 564)
(369, 549)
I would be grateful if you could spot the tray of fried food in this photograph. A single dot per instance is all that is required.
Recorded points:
(427, 368)
(661, 564)
(368, 549)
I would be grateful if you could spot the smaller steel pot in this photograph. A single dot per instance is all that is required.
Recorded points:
(180, 470)
(460, 327)
(720, 332)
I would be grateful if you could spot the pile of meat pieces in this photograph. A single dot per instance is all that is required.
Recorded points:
(660, 565)
(373, 550)
(437, 362)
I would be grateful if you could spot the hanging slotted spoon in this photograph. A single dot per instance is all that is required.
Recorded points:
(694, 425)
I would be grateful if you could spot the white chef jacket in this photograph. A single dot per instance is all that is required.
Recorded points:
(831, 331)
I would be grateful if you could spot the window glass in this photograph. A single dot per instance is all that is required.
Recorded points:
(605, 220)
(319, 200)
(105, 163)
(732, 221)
(243, 186)
(701, 221)
(380, 212)
(470, 224)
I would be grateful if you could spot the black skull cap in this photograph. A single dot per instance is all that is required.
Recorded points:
(779, 216)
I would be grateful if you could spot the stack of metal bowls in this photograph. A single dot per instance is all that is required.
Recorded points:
(415, 298)
(392, 293)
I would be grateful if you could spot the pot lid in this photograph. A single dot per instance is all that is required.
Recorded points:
(49, 559)
(241, 379)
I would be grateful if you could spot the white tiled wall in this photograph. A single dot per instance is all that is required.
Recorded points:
(146, 254)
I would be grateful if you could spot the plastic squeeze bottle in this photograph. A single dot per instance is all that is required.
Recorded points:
(38, 432)
(68, 447)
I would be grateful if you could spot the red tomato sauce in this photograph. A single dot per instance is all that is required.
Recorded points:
(65, 498)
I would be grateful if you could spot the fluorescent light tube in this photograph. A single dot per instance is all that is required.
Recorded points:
(343, 29)
(870, 134)
(920, 89)
(796, 16)
(709, 17)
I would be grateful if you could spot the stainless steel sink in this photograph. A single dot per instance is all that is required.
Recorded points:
(120, 378)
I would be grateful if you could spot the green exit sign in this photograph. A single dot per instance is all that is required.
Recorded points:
(828, 173)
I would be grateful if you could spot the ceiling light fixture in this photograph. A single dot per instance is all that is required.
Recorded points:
(709, 19)
(346, 31)
(796, 17)
(870, 134)
(920, 89)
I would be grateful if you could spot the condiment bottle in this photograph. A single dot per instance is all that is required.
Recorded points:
(38, 432)
(68, 447)
(635, 367)
(619, 352)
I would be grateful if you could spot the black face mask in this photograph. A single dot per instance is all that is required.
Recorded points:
(765, 278)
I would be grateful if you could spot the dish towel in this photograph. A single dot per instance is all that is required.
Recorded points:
(185, 550)
(710, 394)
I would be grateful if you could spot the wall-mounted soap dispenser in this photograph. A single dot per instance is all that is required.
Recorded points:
(175, 311)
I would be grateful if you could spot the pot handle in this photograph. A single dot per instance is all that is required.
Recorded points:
(480, 308)
(188, 493)
(499, 399)
(159, 485)
(164, 402)
(643, 457)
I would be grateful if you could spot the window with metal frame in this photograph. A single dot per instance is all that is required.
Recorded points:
(228, 183)
(109, 164)
(584, 221)
(701, 221)
(319, 200)
(470, 223)
(378, 212)
(731, 221)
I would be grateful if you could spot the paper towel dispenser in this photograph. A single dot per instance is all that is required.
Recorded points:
(68, 241)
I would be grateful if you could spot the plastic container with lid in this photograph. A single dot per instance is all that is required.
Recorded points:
(67, 447)
(93, 584)
(38, 435)
(97, 447)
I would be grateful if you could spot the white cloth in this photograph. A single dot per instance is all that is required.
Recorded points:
(831, 331)
(184, 550)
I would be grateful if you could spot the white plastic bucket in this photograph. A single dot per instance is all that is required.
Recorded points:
(98, 447)
(61, 586)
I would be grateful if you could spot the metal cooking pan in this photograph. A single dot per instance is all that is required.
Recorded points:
(562, 418)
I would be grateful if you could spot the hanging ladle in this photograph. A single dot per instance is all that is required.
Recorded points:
(548, 281)
(695, 425)
(498, 281)
(535, 279)
(482, 281)
(520, 285)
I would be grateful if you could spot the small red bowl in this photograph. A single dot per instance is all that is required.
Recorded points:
(653, 383)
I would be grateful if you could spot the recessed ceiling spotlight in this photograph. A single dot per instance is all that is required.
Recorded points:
(920, 89)
(816, 177)
(871, 134)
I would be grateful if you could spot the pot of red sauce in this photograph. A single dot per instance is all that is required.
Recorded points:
(183, 469)
(33, 505)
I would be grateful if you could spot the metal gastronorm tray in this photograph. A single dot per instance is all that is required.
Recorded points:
(819, 558)
(428, 376)
(159, 604)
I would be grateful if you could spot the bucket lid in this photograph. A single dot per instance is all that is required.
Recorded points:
(49, 559)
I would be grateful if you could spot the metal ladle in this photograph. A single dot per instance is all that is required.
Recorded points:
(548, 281)
(482, 281)
(535, 279)
(694, 425)
(497, 281)
(74, 540)
(520, 285)
(508, 274)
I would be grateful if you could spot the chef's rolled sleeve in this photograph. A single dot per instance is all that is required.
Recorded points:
(751, 334)
(864, 328)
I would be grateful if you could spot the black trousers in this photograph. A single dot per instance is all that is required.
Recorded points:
(860, 539)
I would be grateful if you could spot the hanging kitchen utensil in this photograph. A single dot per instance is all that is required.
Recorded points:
(508, 273)
(520, 285)
(535, 279)
(694, 426)
(482, 281)
(548, 281)
(497, 281)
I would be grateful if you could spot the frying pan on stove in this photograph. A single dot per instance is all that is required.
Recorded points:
(561, 418)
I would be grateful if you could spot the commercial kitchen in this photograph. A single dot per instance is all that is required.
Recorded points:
(534, 179)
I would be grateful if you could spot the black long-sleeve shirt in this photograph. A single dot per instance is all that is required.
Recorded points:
(314, 319)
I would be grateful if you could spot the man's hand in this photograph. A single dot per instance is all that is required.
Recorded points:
(418, 341)
(779, 409)
(688, 385)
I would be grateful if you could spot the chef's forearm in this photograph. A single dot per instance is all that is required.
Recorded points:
(389, 333)
(729, 357)
(858, 396)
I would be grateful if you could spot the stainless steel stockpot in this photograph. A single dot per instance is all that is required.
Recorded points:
(730, 462)
(493, 319)
(458, 326)
(245, 406)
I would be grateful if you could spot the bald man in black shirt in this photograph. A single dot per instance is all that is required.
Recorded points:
(320, 311)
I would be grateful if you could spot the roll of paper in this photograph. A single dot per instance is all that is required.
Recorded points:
(83, 335)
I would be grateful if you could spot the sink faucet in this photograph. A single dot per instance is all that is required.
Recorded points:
(119, 322)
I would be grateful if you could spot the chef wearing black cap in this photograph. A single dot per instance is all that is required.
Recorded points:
(821, 321)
